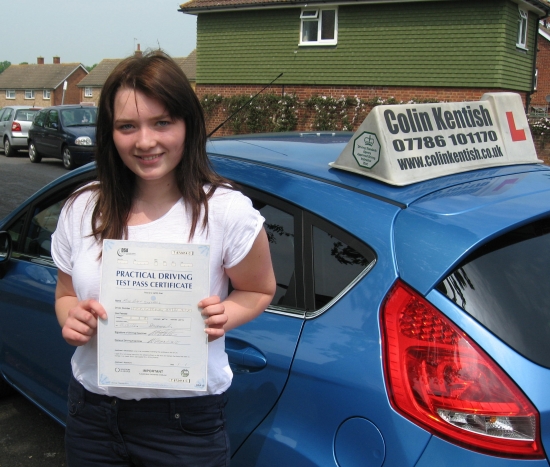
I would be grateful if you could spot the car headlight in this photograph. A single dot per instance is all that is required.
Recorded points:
(84, 141)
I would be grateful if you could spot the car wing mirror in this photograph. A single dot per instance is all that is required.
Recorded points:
(5, 252)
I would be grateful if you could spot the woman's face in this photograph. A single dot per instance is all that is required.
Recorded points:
(148, 140)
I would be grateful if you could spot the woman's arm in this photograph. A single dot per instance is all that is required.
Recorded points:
(254, 285)
(78, 320)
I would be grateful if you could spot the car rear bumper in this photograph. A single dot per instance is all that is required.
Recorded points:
(18, 141)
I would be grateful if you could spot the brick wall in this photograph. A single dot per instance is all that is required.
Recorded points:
(72, 94)
(543, 67)
(542, 146)
(368, 92)
(400, 93)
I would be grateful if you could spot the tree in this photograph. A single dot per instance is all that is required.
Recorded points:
(4, 65)
(90, 68)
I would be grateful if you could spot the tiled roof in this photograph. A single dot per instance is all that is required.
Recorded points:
(189, 65)
(37, 76)
(99, 74)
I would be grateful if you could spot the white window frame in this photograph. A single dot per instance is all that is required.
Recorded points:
(308, 15)
(29, 93)
(47, 94)
(523, 23)
(88, 92)
(10, 93)
(536, 79)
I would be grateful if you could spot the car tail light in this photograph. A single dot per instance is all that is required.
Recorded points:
(440, 379)
(15, 126)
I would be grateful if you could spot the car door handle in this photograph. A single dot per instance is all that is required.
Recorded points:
(243, 355)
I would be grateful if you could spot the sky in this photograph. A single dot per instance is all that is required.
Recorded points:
(88, 31)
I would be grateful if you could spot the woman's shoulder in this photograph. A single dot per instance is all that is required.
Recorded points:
(82, 198)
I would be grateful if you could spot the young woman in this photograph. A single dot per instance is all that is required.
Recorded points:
(154, 184)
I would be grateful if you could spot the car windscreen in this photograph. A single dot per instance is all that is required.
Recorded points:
(25, 115)
(79, 117)
(504, 286)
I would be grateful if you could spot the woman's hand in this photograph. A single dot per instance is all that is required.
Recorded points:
(78, 319)
(253, 284)
(215, 318)
(81, 322)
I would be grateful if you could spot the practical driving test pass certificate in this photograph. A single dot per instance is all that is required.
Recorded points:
(153, 336)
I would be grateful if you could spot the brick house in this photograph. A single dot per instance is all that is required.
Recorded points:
(90, 87)
(443, 50)
(41, 84)
(539, 104)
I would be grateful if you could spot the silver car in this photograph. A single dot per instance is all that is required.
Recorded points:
(15, 121)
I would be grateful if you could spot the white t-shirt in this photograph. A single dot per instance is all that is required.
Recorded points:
(233, 225)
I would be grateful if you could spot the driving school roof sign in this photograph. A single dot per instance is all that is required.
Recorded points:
(403, 144)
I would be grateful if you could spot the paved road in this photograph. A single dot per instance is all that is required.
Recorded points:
(19, 178)
(28, 437)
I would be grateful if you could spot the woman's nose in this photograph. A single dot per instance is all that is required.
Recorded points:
(146, 139)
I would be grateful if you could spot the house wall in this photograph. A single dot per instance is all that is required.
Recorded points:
(457, 44)
(38, 100)
(96, 91)
(72, 94)
(543, 66)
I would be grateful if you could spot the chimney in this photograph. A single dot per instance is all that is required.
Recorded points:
(138, 52)
(40, 60)
(56, 60)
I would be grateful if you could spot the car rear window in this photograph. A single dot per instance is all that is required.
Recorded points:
(504, 285)
(25, 115)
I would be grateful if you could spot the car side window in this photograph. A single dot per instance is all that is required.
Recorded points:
(40, 117)
(42, 225)
(7, 114)
(279, 226)
(335, 265)
(52, 120)
(15, 230)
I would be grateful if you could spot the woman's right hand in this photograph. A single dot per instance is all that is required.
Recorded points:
(81, 322)
(78, 319)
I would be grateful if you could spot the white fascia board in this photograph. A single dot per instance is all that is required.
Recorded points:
(304, 5)
(544, 34)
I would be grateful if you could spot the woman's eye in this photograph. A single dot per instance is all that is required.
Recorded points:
(163, 123)
(126, 126)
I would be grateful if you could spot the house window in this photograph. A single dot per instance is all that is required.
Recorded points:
(88, 92)
(46, 94)
(522, 29)
(536, 80)
(29, 94)
(319, 26)
(10, 93)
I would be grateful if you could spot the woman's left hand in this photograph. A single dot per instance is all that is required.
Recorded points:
(215, 318)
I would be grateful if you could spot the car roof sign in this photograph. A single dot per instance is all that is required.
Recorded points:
(409, 143)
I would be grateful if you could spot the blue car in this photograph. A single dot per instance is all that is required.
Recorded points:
(66, 132)
(411, 324)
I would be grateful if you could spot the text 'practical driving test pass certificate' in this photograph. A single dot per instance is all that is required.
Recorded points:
(154, 333)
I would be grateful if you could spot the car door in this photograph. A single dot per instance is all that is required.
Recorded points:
(52, 141)
(261, 351)
(37, 132)
(5, 115)
(33, 355)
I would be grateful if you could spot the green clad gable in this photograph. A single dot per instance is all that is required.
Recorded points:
(459, 44)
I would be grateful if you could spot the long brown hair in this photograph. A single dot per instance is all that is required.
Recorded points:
(157, 76)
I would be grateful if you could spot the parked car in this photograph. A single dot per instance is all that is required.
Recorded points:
(410, 324)
(15, 122)
(65, 132)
